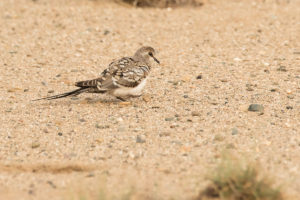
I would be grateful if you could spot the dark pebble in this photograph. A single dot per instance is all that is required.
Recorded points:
(199, 76)
(282, 69)
(289, 107)
(60, 134)
(106, 32)
(256, 108)
(234, 131)
(139, 139)
(273, 90)
(101, 126)
(185, 96)
(169, 119)
(50, 91)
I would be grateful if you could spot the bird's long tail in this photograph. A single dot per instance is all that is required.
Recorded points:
(72, 93)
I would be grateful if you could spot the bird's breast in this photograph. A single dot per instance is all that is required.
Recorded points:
(127, 91)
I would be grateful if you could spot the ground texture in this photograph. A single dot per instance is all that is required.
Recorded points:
(216, 60)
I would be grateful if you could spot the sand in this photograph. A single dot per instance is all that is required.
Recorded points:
(165, 143)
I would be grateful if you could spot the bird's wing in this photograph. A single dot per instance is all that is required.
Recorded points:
(124, 72)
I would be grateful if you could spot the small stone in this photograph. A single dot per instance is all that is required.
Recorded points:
(101, 126)
(51, 184)
(35, 145)
(237, 59)
(139, 139)
(266, 64)
(273, 90)
(291, 96)
(164, 134)
(46, 130)
(90, 175)
(146, 98)
(249, 88)
(60, 134)
(50, 91)
(26, 90)
(289, 107)
(230, 146)
(185, 96)
(256, 108)
(282, 69)
(169, 119)
(196, 113)
(82, 120)
(106, 32)
(234, 131)
(219, 138)
(199, 77)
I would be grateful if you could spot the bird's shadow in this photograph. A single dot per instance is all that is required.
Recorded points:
(78, 100)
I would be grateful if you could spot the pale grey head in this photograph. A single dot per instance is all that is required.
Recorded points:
(144, 54)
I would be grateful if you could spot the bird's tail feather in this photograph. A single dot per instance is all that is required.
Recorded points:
(72, 93)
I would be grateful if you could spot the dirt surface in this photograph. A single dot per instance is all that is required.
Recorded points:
(242, 52)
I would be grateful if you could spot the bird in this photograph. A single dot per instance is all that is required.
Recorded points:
(123, 78)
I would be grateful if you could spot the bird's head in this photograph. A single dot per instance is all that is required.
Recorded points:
(145, 54)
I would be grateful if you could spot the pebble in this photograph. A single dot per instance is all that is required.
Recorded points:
(199, 77)
(51, 184)
(234, 131)
(50, 91)
(169, 119)
(35, 145)
(146, 98)
(60, 133)
(219, 138)
(185, 96)
(106, 32)
(196, 113)
(101, 126)
(140, 139)
(289, 107)
(256, 108)
(282, 69)
(90, 175)
(237, 59)
(164, 134)
(82, 120)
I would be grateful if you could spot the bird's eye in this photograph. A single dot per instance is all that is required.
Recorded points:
(150, 54)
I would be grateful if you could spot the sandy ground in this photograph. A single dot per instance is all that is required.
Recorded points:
(245, 51)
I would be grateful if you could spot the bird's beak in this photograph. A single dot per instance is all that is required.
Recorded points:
(155, 59)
